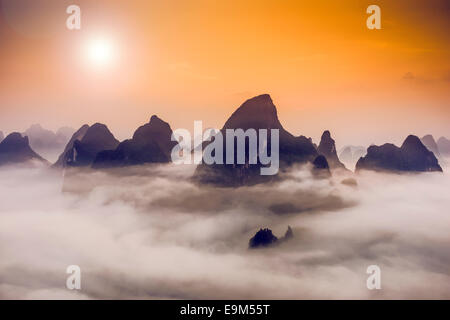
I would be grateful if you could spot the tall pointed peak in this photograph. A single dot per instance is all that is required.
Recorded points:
(327, 143)
(326, 135)
(327, 148)
(157, 121)
(257, 113)
(412, 141)
(154, 118)
(262, 103)
(99, 134)
(98, 126)
(262, 98)
(84, 127)
(155, 129)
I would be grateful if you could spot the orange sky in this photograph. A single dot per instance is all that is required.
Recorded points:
(199, 60)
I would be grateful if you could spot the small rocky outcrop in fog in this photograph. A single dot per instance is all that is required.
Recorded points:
(289, 234)
(265, 238)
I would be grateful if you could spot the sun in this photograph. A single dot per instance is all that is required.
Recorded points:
(101, 52)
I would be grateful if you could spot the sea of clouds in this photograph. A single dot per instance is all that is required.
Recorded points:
(148, 232)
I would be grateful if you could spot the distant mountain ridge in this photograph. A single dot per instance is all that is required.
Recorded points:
(444, 146)
(47, 142)
(412, 156)
(95, 146)
(429, 142)
(151, 143)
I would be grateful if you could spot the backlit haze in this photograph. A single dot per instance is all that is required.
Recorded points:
(199, 60)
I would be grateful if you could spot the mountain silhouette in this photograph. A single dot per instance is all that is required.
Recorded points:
(266, 238)
(1, 136)
(78, 135)
(82, 152)
(256, 113)
(260, 113)
(327, 148)
(444, 146)
(263, 238)
(412, 156)
(429, 142)
(15, 149)
(289, 234)
(151, 143)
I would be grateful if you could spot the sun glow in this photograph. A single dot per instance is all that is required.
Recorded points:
(101, 52)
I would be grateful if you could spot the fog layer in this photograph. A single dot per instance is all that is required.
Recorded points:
(150, 233)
